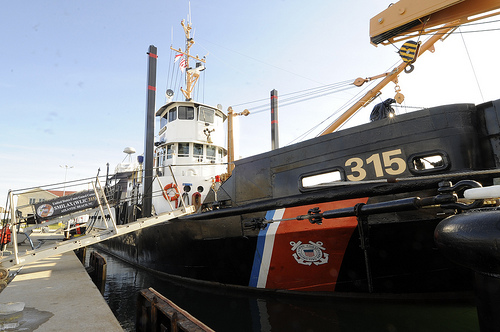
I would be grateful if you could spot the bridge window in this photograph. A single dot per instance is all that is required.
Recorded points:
(161, 157)
(186, 112)
(198, 151)
(210, 152)
(183, 149)
(170, 151)
(220, 153)
(206, 115)
(164, 120)
(172, 115)
(160, 162)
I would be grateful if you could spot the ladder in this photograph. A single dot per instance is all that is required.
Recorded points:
(104, 232)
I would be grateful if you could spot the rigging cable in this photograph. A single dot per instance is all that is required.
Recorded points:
(169, 72)
(203, 78)
(281, 100)
(477, 23)
(472, 66)
(177, 81)
(265, 63)
(300, 96)
(349, 102)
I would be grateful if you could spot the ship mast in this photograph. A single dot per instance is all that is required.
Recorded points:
(192, 74)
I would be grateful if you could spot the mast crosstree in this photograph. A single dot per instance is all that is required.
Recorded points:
(192, 74)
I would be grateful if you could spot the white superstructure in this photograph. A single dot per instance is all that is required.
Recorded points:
(190, 145)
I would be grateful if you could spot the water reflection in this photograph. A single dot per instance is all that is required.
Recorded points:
(230, 311)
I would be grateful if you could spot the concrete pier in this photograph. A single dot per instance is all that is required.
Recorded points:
(59, 296)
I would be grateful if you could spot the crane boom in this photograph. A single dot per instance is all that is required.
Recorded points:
(408, 18)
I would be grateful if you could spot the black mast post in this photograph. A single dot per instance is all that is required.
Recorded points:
(149, 134)
(274, 120)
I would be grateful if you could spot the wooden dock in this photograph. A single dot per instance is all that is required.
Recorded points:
(59, 295)
(157, 313)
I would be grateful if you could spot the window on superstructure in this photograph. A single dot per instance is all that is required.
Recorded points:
(186, 112)
(220, 153)
(172, 115)
(198, 151)
(164, 120)
(170, 151)
(210, 152)
(160, 164)
(183, 150)
(32, 201)
(206, 115)
(161, 157)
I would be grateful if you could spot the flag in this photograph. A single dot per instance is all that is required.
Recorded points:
(182, 63)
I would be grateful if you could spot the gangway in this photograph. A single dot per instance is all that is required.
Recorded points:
(106, 230)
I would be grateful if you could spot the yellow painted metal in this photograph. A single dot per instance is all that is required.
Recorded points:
(406, 11)
(408, 52)
(230, 137)
(431, 14)
(191, 75)
(450, 14)
(392, 77)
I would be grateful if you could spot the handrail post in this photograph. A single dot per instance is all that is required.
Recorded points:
(175, 181)
(13, 222)
(164, 192)
(100, 206)
(113, 221)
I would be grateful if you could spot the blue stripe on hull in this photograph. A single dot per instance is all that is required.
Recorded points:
(259, 252)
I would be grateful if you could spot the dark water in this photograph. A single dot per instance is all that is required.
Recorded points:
(224, 311)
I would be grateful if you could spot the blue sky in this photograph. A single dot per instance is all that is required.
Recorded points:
(73, 73)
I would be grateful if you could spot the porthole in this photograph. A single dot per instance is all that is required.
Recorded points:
(428, 162)
(320, 179)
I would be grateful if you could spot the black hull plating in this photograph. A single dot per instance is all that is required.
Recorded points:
(182, 251)
(403, 258)
(400, 255)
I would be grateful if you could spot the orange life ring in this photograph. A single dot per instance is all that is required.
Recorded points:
(174, 188)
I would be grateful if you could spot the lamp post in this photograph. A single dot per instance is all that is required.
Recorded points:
(65, 174)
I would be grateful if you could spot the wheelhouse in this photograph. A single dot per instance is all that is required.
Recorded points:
(177, 116)
(190, 134)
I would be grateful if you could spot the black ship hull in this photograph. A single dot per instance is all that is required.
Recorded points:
(247, 234)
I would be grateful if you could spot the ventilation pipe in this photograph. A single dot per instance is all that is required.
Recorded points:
(274, 120)
(147, 201)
